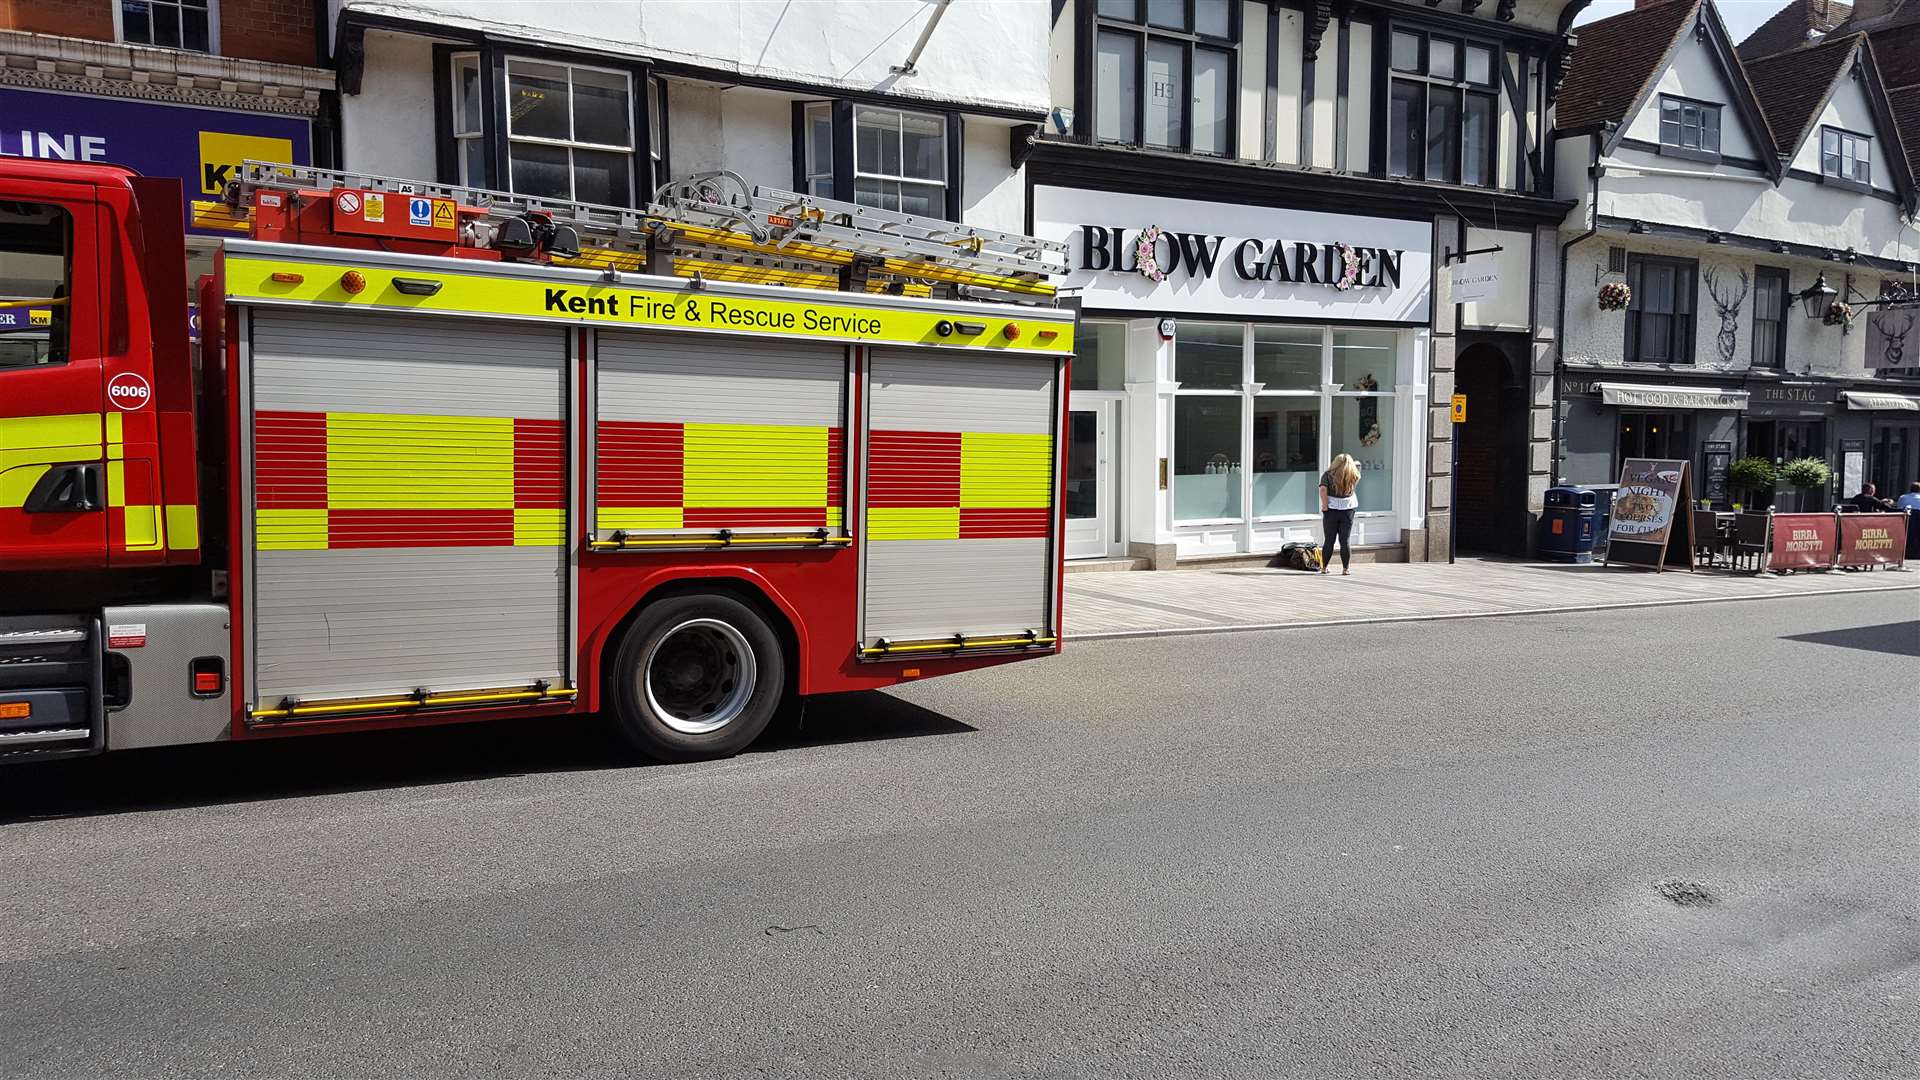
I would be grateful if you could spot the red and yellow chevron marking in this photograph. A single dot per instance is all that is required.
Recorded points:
(335, 481)
(958, 485)
(138, 522)
(718, 476)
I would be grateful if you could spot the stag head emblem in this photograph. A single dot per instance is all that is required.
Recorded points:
(1895, 330)
(1726, 304)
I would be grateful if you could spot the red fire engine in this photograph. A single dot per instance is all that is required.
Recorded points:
(447, 455)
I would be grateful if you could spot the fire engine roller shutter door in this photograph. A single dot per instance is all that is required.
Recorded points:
(701, 433)
(958, 522)
(409, 504)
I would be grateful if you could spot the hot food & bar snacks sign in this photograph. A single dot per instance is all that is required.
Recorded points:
(1135, 252)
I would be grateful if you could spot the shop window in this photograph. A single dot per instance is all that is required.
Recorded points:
(1692, 126)
(1846, 156)
(1286, 455)
(1100, 356)
(570, 132)
(1164, 74)
(1206, 457)
(1443, 108)
(1210, 356)
(1365, 360)
(36, 265)
(1772, 303)
(1363, 428)
(1288, 357)
(1786, 440)
(894, 159)
(1660, 314)
(1655, 435)
(170, 24)
(469, 126)
(1893, 458)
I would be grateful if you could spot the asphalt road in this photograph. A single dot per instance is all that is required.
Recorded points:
(1410, 850)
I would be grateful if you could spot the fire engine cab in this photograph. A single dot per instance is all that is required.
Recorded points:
(446, 454)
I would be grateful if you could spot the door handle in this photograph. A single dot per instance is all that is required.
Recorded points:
(66, 489)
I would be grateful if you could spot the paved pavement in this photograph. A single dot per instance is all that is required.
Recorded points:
(1409, 850)
(1196, 601)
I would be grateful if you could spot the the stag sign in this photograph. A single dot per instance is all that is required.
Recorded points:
(1891, 342)
(1726, 303)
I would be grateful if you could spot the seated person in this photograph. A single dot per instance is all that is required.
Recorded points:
(1911, 500)
(1869, 501)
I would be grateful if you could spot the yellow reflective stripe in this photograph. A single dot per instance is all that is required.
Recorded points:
(183, 527)
(290, 530)
(747, 465)
(141, 528)
(400, 462)
(836, 517)
(598, 304)
(1005, 471)
(116, 436)
(28, 444)
(913, 523)
(638, 517)
(539, 527)
(17, 483)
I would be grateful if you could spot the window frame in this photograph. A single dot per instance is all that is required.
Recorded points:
(1637, 263)
(1143, 33)
(213, 27)
(842, 158)
(1494, 89)
(1778, 359)
(900, 131)
(572, 142)
(1844, 137)
(1680, 150)
(66, 337)
(647, 169)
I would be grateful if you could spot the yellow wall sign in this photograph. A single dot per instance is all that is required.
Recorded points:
(626, 307)
(1459, 408)
(222, 153)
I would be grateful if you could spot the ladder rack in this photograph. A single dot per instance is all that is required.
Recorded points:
(714, 225)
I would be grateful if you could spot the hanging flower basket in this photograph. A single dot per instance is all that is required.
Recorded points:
(1839, 313)
(1143, 253)
(1615, 296)
(1349, 267)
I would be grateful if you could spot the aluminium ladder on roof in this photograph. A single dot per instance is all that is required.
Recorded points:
(716, 222)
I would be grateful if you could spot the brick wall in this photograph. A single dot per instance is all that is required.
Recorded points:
(276, 30)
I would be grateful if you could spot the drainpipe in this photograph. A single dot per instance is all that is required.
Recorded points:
(1560, 315)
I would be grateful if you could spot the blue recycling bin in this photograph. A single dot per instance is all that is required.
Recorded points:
(1569, 523)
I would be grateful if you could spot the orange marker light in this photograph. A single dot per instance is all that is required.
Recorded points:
(16, 710)
(1012, 332)
(285, 278)
(1046, 335)
(353, 281)
(910, 673)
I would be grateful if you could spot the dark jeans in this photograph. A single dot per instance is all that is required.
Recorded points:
(1336, 523)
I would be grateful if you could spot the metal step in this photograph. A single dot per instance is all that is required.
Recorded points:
(56, 660)
(10, 739)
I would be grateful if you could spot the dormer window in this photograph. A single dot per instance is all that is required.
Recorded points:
(1846, 156)
(1692, 128)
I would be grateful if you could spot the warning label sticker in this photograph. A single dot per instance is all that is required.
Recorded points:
(420, 212)
(126, 635)
(376, 207)
(443, 214)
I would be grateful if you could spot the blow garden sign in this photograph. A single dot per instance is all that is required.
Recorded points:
(1135, 252)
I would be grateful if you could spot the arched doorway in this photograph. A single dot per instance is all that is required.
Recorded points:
(1490, 500)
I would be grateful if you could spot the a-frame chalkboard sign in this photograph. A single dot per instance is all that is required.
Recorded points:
(1652, 521)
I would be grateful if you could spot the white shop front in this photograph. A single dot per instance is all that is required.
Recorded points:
(1216, 377)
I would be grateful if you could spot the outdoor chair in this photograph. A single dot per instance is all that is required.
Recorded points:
(1708, 544)
(1750, 539)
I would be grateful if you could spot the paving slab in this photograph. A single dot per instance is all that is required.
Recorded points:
(1209, 601)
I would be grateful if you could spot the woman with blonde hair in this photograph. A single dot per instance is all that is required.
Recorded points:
(1338, 500)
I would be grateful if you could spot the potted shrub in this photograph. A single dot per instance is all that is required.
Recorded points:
(1806, 475)
(1754, 478)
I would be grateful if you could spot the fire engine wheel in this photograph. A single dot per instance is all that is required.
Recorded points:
(697, 677)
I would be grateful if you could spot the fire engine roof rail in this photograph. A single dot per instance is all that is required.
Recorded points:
(772, 215)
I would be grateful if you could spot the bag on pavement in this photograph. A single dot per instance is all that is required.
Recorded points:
(1298, 556)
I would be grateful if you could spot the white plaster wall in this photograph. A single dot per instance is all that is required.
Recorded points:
(1287, 102)
(1571, 156)
(756, 135)
(993, 193)
(693, 128)
(1726, 199)
(1060, 61)
(1694, 73)
(1326, 88)
(1595, 336)
(1253, 78)
(1360, 98)
(1511, 132)
(987, 53)
(1847, 109)
(389, 129)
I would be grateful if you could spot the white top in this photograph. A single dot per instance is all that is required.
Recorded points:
(1349, 502)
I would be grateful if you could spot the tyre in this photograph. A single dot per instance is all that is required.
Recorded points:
(696, 677)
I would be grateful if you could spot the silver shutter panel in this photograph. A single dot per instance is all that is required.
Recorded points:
(372, 612)
(931, 572)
